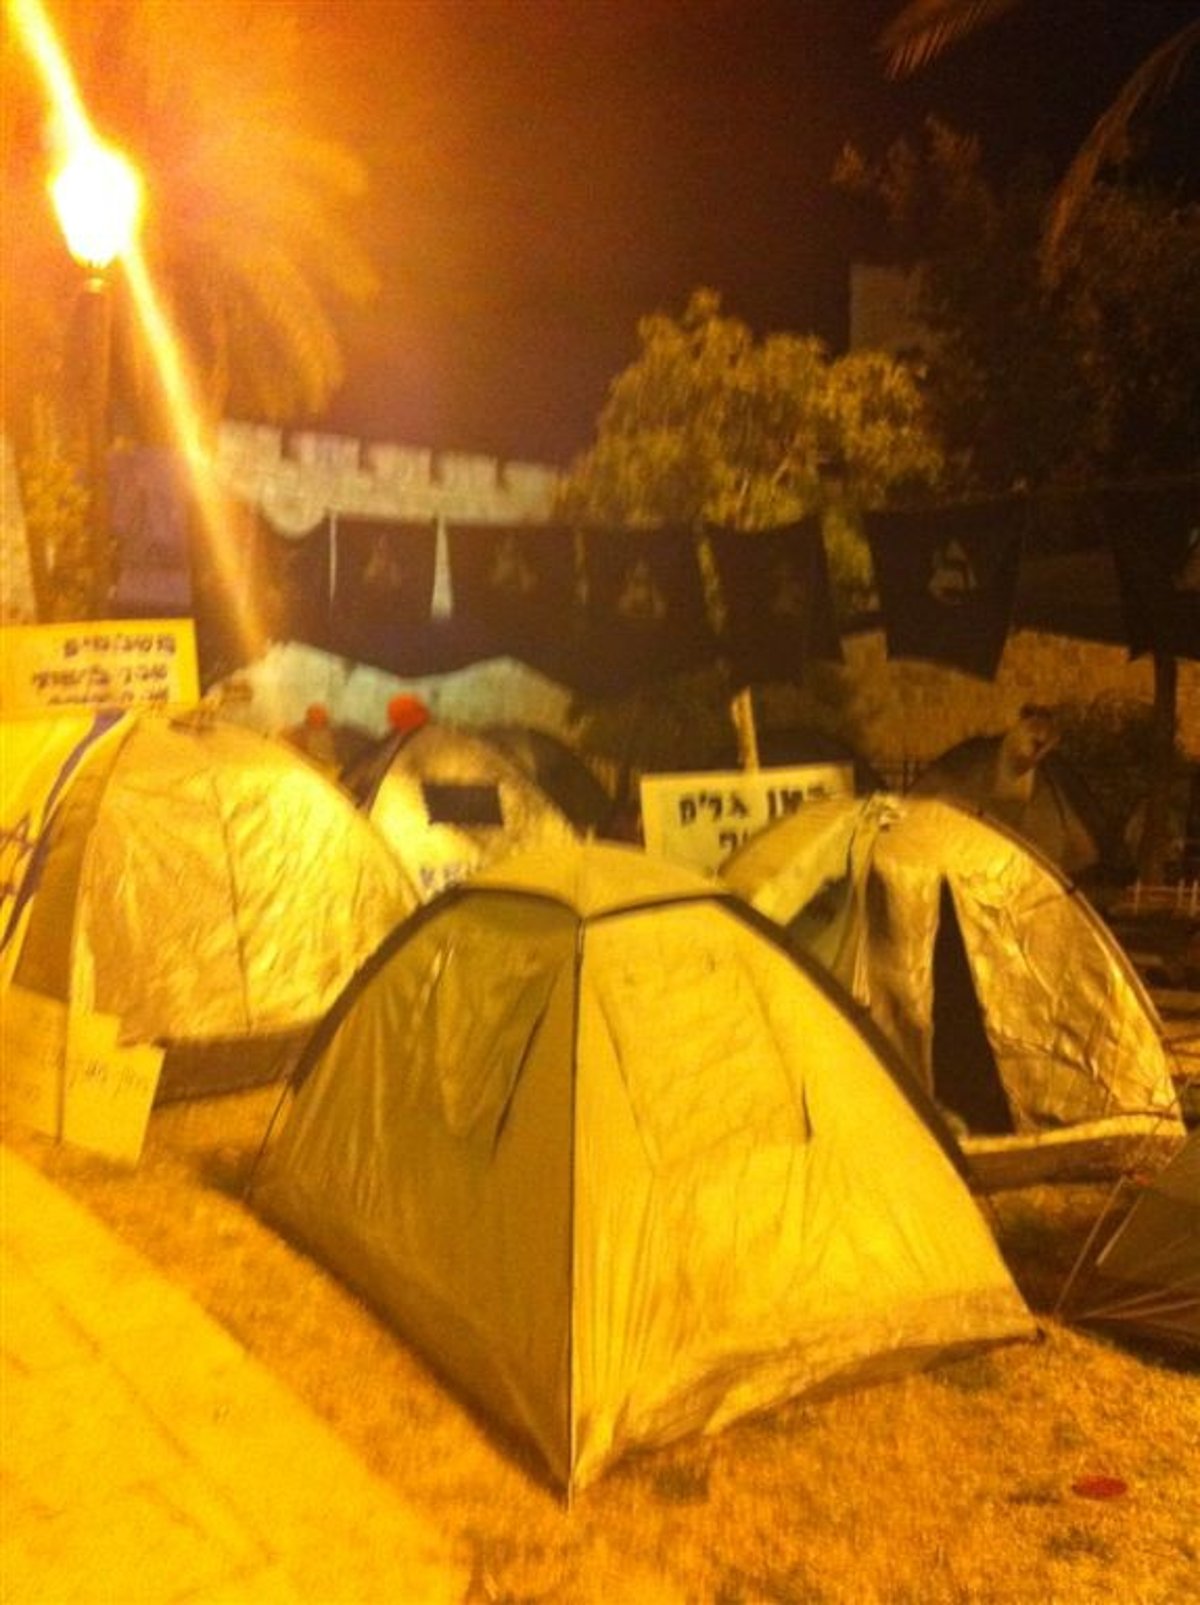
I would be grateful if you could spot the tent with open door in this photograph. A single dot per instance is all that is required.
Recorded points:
(201, 887)
(1143, 1280)
(448, 802)
(621, 1167)
(1003, 991)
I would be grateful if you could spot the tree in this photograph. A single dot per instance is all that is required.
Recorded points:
(920, 31)
(246, 233)
(709, 425)
(1031, 380)
(923, 29)
(1086, 376)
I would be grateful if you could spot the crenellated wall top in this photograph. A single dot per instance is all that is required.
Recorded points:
(297, 479)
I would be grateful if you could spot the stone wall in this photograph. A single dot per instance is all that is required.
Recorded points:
(297, 479)
(908, 711)
(911, 711)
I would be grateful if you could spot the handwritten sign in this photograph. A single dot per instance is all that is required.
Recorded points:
(109, 1088)
(97, 664)
(699, 819)
(67, 1075)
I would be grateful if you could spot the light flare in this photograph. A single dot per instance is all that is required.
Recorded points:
(75, 145)
(98, 197)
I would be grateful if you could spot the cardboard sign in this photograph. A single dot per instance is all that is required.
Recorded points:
(109, 1088)
(109, 663)
(699, 819)
(65, 1074)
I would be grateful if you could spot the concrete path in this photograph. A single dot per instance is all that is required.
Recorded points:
(145, 1456)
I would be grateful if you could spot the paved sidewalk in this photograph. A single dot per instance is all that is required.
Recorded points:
(146, 1456)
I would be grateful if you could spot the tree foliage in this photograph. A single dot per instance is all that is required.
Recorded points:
(923, 29)
(56, 508)
(1083, 374)
(248, 233)
(1093, 372)
(710, 425)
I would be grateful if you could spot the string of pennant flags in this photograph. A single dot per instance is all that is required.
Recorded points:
(605, 611)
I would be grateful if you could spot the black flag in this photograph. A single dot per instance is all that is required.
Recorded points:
(292, 584)
(383, 592)
(778, 601)
(946, 578)
(646, 610)
(1155, 536)
(514, 591)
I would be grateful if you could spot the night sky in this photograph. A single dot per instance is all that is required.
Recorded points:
(545, 172)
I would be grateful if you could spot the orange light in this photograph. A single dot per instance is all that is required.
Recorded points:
(97, 195)
(78, 147)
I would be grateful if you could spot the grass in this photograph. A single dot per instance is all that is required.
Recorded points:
(955, 1485)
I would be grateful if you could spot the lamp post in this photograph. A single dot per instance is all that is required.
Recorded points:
(97, 196)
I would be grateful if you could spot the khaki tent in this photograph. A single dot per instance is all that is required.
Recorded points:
(449, 802)
(1144, 1281)
(1000, 987)
(1020, 779)
(560, 772)
(200, 886)
(621, 1167)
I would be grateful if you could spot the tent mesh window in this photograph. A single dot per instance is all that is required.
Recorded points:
(454, 803)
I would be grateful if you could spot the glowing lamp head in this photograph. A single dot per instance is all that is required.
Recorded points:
(98, 197)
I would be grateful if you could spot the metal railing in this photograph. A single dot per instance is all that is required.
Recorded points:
(1180, 897)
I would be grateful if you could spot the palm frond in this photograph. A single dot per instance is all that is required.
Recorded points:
(924, 29)
(1108, 141)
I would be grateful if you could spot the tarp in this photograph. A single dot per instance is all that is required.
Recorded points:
(623, 1168)
(990, 973)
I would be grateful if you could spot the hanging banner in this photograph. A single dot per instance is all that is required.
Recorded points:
(699, 819)
(646, 615)
(947, 576)
(778, 598)
(514, 588)
(1155, 536)
(149, 509)
(48, 668)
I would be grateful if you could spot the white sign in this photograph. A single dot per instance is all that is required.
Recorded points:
(67, 1075)
(700, 819)
(111, 663)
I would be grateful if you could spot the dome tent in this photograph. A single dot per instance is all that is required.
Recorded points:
(448, 802)
(202, 886)
(1020, 779)
(622, 1168)
(1142, 1278)
(1004, 993)
(560, 772)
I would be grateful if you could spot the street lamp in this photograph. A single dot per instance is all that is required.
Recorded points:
(97, 195)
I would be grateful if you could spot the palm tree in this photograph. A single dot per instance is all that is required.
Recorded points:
(246, 232)
(923, 29)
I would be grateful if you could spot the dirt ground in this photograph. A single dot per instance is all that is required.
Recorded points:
(968, 1483)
